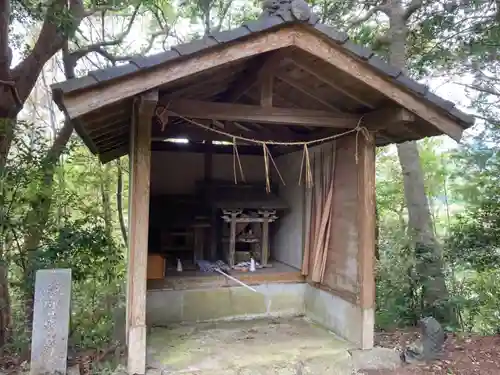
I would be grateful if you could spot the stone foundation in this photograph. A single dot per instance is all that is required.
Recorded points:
(201, 305)
(165, 307)
(349, 321)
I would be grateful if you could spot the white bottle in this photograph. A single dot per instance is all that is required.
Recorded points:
(252, 265)
(179, 265)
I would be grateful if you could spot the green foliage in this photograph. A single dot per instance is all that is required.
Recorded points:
(83, 246)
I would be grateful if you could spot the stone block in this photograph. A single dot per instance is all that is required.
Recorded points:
(287, 299)
(208, 304)
(164, 307)
(244, 302)
(376, 359)
(49, 345)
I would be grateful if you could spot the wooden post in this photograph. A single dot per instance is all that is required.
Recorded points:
(230, 217)
(366, 225)
(265, 242)
(267, 217)
(140, 161)
(232, 239)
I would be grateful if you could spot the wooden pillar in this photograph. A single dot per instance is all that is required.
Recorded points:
(267, 217)
(366, 227)
(140, 168)
(264, 257)
(232, 241)
(230, 217)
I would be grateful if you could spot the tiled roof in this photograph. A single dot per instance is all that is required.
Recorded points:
(265, 23)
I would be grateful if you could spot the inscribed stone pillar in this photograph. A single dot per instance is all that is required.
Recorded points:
(49, 343)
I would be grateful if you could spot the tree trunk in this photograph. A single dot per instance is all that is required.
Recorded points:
(427, 250)
(106, 202)
(38, 214)
(6, 135)
(5, 308)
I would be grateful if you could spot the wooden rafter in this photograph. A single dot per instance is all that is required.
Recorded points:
(258, 70)
(251, 113)
(298, 61)
(356, 69)
(266, 91)
(117, 152)
(198, 147)
(307, 92)
(117, 133)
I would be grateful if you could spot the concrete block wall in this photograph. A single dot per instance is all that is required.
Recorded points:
(199, 305)
(347, 320)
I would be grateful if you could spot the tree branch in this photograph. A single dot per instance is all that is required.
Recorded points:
(379, 8)
(96, 47)
(116, 58)
(223, 14)
(485, 90)
(51, 39)
(413, 7)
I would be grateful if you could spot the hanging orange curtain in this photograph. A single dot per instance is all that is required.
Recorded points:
(319, 209)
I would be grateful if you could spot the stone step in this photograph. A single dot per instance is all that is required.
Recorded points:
(289, 346)
(337, 364)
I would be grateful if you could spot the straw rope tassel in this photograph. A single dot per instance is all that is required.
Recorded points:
(302, 164)
(309, 175)
(306, 163)
(266, 167)
(236, 158)
(275, 166)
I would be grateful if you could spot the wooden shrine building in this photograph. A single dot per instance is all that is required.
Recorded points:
(257, 140)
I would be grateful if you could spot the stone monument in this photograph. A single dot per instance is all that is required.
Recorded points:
(430, 345)
(49, 342)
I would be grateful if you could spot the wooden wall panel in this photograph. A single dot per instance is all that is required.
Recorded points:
(341, 271)
(350, 261)
(177, 172)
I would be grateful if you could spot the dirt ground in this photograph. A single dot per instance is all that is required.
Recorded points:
(472, 355)
(469, 355)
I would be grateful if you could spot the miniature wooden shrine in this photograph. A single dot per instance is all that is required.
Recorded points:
(254, 223)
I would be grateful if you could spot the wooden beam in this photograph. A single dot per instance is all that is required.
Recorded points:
(387, 117)
(112, 144)
(201, 148)
(140, 153)
(242, 127)
(250, 113)
(254, 74)
(88, 100)
(266, 91)
(391, 118)
(111, 155)
(307, 92)
(360, 71)
(304, 65)
(112, 134)
(108, 128)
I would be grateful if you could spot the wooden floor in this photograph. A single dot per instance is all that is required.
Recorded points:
(278, 273)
